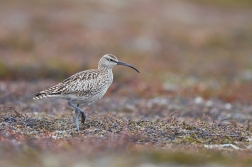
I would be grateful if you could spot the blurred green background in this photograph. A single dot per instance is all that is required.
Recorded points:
(186, 46)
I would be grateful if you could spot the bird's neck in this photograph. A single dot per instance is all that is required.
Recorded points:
(105, 69)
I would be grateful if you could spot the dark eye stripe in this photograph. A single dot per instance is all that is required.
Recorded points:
(112, 60)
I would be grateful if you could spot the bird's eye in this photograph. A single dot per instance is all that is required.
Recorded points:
(110, 60)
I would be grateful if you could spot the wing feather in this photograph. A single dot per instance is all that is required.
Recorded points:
(81, 84)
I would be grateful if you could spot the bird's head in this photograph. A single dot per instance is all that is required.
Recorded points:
(108, 61)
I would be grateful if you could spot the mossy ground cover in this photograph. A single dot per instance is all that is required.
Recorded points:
(121, 131)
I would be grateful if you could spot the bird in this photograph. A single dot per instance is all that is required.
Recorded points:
(85, 87)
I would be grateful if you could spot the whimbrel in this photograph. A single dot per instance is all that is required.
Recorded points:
(85, 87)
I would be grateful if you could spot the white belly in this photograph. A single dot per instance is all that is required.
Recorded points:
(91, 99)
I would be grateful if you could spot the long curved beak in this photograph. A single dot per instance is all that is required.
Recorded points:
(125, 64)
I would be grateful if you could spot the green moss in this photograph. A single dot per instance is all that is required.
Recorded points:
(178, 158)
(231, 3)
(3, 69)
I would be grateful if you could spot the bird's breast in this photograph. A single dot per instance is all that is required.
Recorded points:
(96, 89)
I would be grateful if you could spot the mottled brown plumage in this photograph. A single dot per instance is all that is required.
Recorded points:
(85, 87)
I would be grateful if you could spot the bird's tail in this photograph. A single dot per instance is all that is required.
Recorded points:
(39, 95)
(54, 91)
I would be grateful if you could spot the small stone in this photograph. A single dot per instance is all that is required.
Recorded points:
(198, 100)
(228, 106)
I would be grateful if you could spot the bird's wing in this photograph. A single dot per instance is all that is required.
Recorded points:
(80, 84)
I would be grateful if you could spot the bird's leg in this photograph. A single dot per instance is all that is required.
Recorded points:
(77, 120)
(83, 115)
